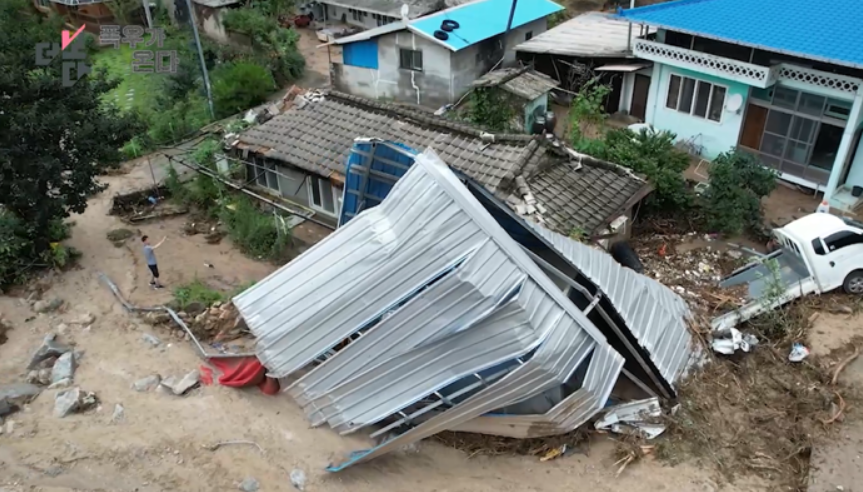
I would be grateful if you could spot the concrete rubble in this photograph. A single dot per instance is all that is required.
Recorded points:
(147, 384)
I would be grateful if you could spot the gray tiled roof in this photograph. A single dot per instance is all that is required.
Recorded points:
(318, 137)
(528, 84)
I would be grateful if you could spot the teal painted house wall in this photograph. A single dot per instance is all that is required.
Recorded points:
(529, 108)
(714, 137)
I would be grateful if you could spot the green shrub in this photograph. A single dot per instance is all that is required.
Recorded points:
(490, 109)
(654, 155)
(256, 233)
(738, 182)
(179, 121)
(240, 86)
(197, 291)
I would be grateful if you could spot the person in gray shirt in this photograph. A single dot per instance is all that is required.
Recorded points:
(150, 256)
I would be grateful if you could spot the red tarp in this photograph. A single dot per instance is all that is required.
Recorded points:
(240, 372)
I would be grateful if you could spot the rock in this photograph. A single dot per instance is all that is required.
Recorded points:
(63, 383)
(87, 401)
(249, 485)
(157, 318)
(298, 478)
(84, 319)
(47, 306)
(14, 396)
(195, 308)
(62, 328)
(119, 414)
(188, 382)
(64, 368)
(147, 383)
(151, 339)
(67, 402)
(841, 309)
(167, 385)
(50, 348)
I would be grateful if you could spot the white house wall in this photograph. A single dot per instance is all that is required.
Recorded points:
(335, 14)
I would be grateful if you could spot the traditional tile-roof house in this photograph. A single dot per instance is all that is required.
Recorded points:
(301, 155)
(526, 92)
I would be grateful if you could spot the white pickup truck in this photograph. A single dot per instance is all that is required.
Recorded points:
(817, 253)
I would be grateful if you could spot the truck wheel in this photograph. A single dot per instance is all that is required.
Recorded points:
(854, 282)
(626, 256)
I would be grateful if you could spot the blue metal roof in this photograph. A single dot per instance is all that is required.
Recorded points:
(482, 19)
(829, 32)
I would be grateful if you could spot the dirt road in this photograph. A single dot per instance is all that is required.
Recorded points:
(158, 446)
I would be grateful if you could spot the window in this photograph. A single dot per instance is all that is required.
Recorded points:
(695, 97)
(272, 177)
(322, 195)
(356, 14)
(818, 246)
(842, 239)
(528, 35)
(411, 60)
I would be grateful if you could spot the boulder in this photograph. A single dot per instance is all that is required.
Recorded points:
(50, 348)
(47, 306)
(147, 383)
(64, 368)
(66, 402)
(14, 396)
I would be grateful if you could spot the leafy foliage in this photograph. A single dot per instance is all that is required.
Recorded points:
(490, 108)
(652, 154)
(587, 112)
(124, 10)
(257, 234)
(239, 86)
(198, 291)
(738, 182)
(274, 46)
(55, 141)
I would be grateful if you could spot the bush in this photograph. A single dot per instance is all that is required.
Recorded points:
(179, 121)
(491, 109)
(240, 86)
(738, 182)
(256, 233)
(654, 155)
(196, 291)
(18, 252)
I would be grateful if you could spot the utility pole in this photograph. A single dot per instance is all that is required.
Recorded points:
(148, 13)
(201, 58)
(508, 28)
(629, 31)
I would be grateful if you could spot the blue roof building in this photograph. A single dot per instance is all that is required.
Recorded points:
(432, 60)
(782, 79)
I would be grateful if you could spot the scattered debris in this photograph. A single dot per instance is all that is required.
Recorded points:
(64, 368)
(732, 340)
(151, 339)
(639, 417)
(62, 329)
(39, 376)
(798, 352)
(61, 384)
(298, 478)
(842, 365)
(146, 384)
(215, 446)
(143, 205)
(217, 323)
(249, 485)
(119, 414)
(47, 306)
(189, 381)
(84, 319)
(72, 401)
(50, 348)
(16, 395)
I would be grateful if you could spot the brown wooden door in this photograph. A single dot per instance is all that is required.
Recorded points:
(753, 127)
(640, 88)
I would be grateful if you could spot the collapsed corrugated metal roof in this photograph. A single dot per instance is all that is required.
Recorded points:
(425, 313)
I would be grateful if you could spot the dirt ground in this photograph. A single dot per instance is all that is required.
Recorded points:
(158, 445)
(317, 61)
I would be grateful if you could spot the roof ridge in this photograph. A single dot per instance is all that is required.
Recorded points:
(428, 119)
(621, 12)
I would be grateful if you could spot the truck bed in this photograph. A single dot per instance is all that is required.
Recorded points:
(794, 281)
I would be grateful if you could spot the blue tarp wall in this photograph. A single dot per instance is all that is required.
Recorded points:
(388, 158)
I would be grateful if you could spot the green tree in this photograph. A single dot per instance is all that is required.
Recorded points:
(491, 109)
(738, 182)
(55, 140)
(124, 10)
(239, 86)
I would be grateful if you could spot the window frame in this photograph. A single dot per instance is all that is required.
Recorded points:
(839, 236)
(323, 186)
(413, 54)
(697, 86)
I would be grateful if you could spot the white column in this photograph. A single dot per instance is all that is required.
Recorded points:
(654, 92)
(845, 145)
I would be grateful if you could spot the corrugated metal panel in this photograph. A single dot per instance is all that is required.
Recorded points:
(437, 293)
(653, 313)
(589, 35)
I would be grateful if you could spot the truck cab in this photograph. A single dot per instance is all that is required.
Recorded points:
(831, 247)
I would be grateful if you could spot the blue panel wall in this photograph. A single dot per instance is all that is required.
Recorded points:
(361, 54)
(375, 189)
